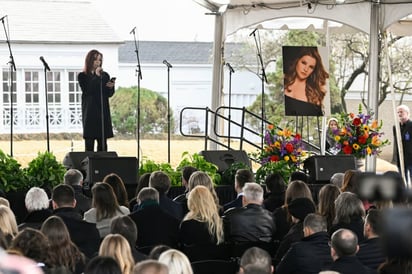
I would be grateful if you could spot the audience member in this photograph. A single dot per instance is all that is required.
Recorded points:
(254, 269)
(326, 202)
(299, 208)
(32, 244)
(256, 256)
(242, 176)
(312, 253)
(202, 178)
(344, 245)
(283, 220)
(176, 261)
(275, 192)
(105, 207)
(74, 178)
(157, 250)
(125, 226)
(299, 176)
(349, 214)
(143, 182)
(161, 182)
(64, 254)
(102, 265)
(17, 264)
(154, 225)
(150, 267)
(250, 223)
(371, 252)
(117, 247)
(4, 201)
(37, 205)
(337, 179)
(349, 181)
(119, 188)
(187, 171)
(8, 223)
(85, 235)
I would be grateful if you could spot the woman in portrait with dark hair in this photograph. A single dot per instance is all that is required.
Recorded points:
(96, 87)
(305, 83)
(119, 188)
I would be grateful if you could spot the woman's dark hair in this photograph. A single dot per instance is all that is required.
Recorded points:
(143, 182)
(157, 250)
(275, 183)
(315, 84)
(104, 201)
(89, 60)
(116, 182)
(102, 265)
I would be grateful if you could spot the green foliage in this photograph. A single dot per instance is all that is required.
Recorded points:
(228, 176)
(153, 111)
(45, 171)
(280, 167)
(198, 161)
(12, 177)
(149, 166)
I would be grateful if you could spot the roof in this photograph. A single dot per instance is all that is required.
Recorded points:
(175, 52)
(56, 21)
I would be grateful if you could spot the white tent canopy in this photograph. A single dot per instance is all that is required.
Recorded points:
(369, 16)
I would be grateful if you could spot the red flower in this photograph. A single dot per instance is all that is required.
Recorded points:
(289, 148)
(347, 150)
(297, 136)
(274, 158)
(356, 122)
(362, 139)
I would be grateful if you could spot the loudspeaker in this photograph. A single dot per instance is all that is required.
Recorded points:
(225, 158)
(74, 159)
(96, 168)
(322, 167)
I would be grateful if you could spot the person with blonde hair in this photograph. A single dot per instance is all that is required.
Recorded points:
(202, 178)
(202, 224)
(8, 223)
(150, 267)
(117, 247)
(176, 261)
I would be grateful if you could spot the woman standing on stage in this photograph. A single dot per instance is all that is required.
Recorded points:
(96, 87)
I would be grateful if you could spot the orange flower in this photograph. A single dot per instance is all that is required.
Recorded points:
(376, 141)
(270, 126)
(374, 124)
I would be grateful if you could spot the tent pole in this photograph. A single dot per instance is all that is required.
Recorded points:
(373, 85)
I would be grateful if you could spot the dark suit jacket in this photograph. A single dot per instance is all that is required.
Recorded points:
(406, 137)
(155, 226)
(35, 219)
(235, 203)
(83, 203)
(371, 253)
(350, 265)
(85, 235)
(169, 206)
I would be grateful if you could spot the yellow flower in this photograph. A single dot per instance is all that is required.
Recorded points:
(294, 159)
(280, 132)
(286, 158)
(337, 138)
(356, 146)
(303, 153)
(277, 144)
(366, 128)
(369, 150)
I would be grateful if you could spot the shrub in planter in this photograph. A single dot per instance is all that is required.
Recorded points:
(149, 166)
(12, 177)
(45, 171)
(198, 161)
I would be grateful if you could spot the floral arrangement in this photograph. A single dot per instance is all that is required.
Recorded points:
(359, 135)
(282, 152)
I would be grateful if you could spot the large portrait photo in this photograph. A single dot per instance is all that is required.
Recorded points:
(306, 85)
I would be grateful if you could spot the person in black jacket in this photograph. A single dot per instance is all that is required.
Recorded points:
(344, 246)
(371, 252)
(242, 176)
(406, 138)
(37, 205)
(74, 178)
(85, 235)
(250, 223)
(275, 189)
(96, 87)
(312, 253)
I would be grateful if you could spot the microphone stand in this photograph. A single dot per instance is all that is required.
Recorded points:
(102, 111)
(168, 109)
(11, 85)
(263, 80)
(231, 70)
(47, 108)
(139, 77)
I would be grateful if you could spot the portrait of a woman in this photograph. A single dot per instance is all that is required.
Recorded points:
(304, 81)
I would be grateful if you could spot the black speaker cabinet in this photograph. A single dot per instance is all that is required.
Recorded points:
(225, 158)
(322, 167)
(96, 168)
(74, 159)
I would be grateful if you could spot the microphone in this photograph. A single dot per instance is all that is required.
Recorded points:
(133, 30)
(167, 64)
(1, 19)
(230, 68)
(44, 63)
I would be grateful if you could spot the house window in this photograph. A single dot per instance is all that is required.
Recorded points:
(31, 82)
(54, 88)
(75, 99)
(6, 86)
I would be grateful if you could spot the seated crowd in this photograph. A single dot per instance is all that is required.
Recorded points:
(278, 228)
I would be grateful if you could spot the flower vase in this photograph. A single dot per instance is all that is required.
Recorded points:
(360, 163)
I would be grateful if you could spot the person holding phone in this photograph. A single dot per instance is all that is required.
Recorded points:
(97, 88)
